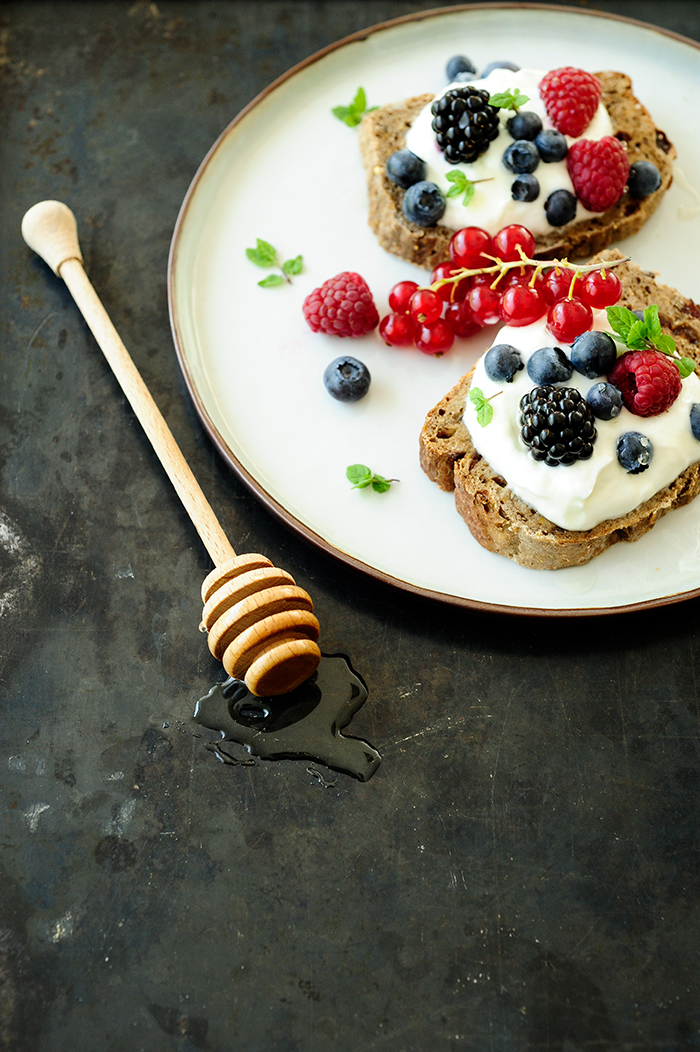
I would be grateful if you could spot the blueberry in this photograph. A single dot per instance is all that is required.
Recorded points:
(423, 204)
(347, 379)
(521, 156)
(634, 452)
(644, 179)
(498, 65)
(560, 207)
(549, 365)
(459, 64)
(552, 145)
(404, 168)
(502, 362)
(525, 188)
(593, 353)
(695, 420)
(605, 401)
(525, 125)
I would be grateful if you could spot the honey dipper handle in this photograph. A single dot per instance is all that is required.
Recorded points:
(50, 229)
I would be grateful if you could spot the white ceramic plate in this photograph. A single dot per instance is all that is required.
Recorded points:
(289, 172)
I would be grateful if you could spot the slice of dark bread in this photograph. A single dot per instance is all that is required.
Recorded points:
(384, 130)
(502, 522)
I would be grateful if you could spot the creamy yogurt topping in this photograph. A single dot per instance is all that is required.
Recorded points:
(492, 206)
(580, 495)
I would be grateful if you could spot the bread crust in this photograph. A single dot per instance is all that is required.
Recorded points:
(498, 519)
(384, 130)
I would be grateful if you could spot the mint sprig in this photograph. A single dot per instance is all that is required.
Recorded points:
(462, 185)
(264, 255)
(361, 477)
(353, 114)
(509, 100)
(639, 334)
(482, 404)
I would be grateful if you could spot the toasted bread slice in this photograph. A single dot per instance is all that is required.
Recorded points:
(501, 521)
(383, 131)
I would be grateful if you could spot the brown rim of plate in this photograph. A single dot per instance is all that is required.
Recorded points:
(278, 509)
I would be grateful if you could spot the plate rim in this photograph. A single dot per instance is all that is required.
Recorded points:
(249, 480)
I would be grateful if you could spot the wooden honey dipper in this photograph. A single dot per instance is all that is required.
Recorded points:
(260, 624)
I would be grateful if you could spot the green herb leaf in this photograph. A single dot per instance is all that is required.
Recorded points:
(460, 185)
(509, 100)
(482, 404)
(686, 366)
(353, 114)
(264, 255)
(652, 322)
(361, 477)
(665, 343)
(292, 266)
(621, 320)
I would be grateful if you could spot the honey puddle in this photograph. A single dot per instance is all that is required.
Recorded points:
(305, 724)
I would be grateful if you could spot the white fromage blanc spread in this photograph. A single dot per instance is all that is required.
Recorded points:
(492, 206)
(580, 495)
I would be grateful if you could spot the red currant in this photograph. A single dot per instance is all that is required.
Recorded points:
(398, 330)
(521, 305)
(471, 247)
(400, 295)
(522, 276)
(454, 290)
(600, 288)
(461, 320)
(435, 338)
(507, 240)
(485, 304)
(567, 319)
(425, 306)
(557, 283)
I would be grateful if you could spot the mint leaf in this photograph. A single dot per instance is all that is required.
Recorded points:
(292, 266)
(461, 185)
(637, 336)
(509, 100)
(651, 322)
(686, 366)
(482, 404)
(353, 114)
(665, 343)
(621, 320)
(361, 477)
(263, 255)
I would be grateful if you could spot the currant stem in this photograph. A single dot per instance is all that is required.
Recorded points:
(501, 267)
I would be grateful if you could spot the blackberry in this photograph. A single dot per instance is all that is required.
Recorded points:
(464, 123)
(556, 425)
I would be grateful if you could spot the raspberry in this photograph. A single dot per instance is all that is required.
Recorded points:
(599, 171)
(648, 381)
(342, 306)
(571, 97)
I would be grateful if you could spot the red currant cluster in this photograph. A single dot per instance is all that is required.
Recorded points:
(488, 280)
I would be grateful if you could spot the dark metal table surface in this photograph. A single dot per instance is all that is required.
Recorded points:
(523, 871)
